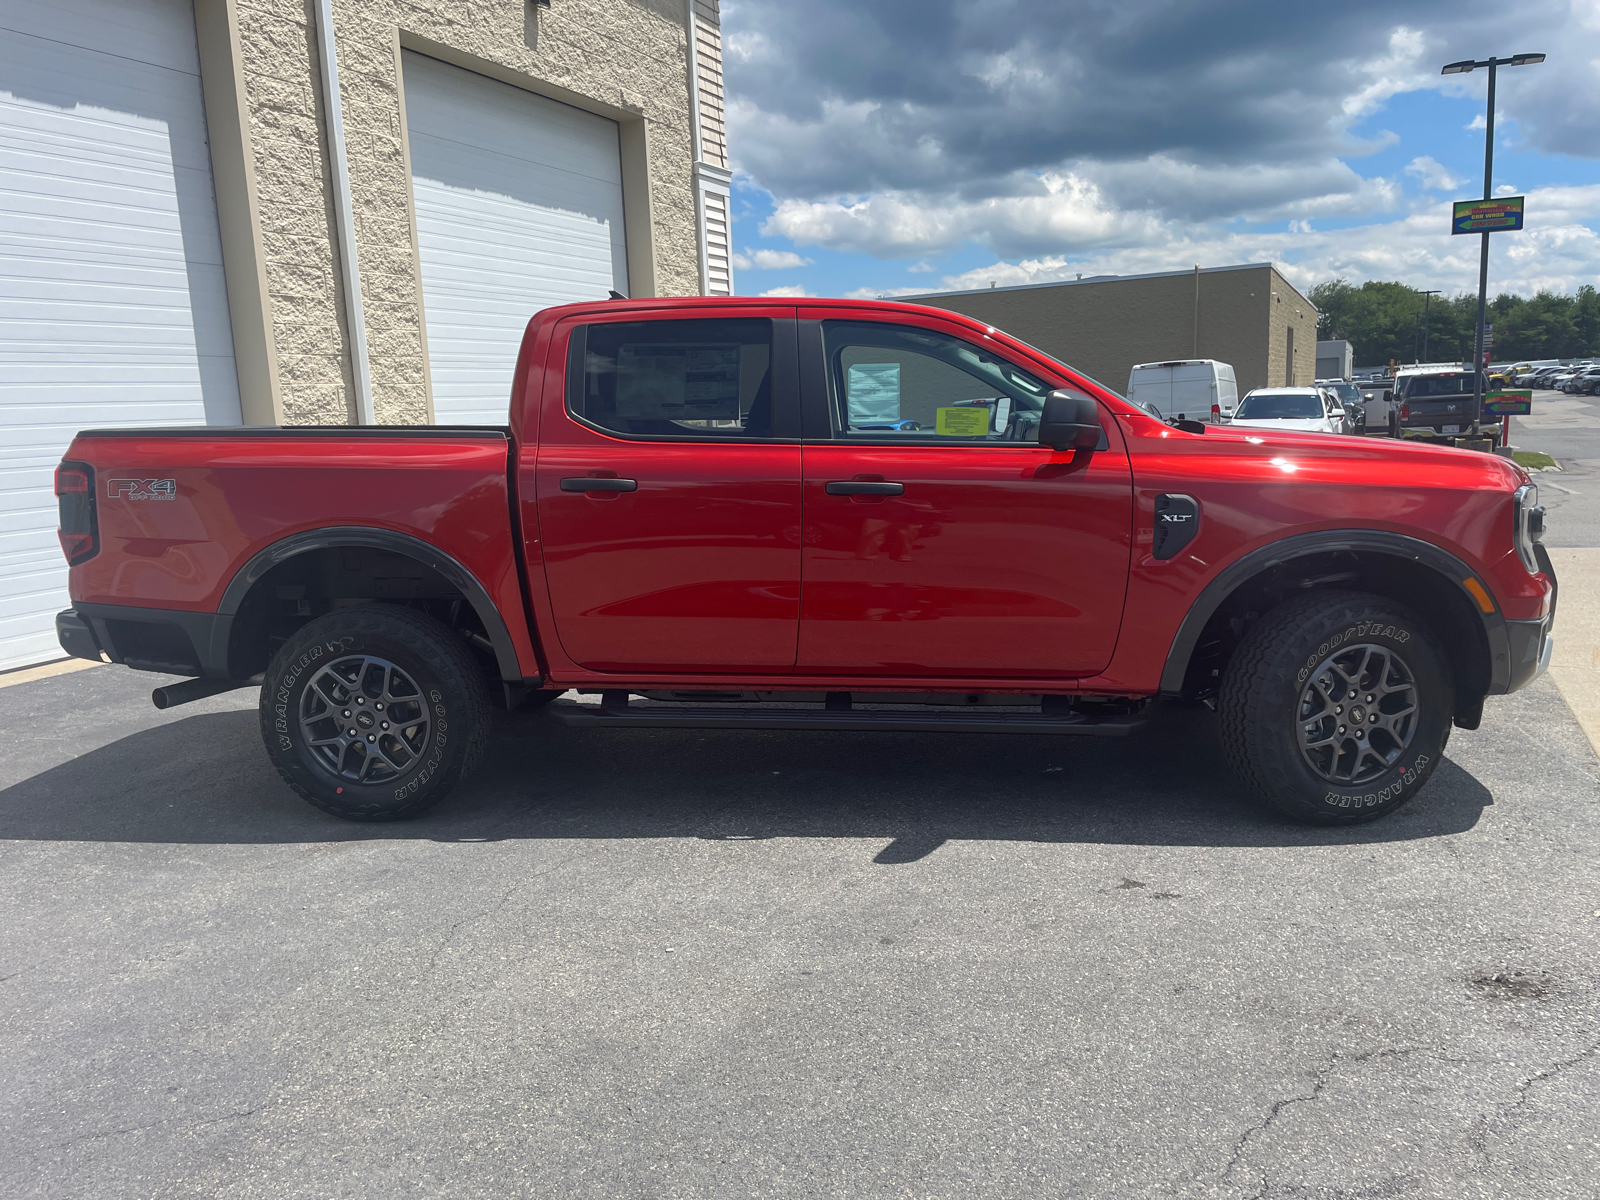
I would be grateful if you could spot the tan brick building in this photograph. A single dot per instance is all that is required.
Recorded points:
(324, 211)
(1248, 315)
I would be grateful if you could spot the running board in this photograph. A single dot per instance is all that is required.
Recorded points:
(661, 716)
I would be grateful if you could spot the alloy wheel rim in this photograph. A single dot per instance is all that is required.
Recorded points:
(364, 719)
(1358, 714)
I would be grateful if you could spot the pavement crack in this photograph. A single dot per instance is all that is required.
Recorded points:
(1319, 1080)
(1479, 1137)
(111, 1133)
(1551, 1072)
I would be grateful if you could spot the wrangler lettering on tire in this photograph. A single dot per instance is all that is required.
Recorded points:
(1336, 707)
(374, 713)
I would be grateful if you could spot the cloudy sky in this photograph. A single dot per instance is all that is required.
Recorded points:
(886, 147)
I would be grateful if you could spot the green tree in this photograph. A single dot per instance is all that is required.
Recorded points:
(1586, 320)
(1383, 322)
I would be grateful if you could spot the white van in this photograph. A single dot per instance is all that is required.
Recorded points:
(1200, 389)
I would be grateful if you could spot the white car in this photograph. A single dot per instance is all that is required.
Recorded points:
(1303, 409)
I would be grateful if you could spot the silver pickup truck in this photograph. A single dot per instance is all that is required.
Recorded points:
(1373, 399)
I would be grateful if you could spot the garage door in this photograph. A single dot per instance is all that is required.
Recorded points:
(112, 305)
(519, 206)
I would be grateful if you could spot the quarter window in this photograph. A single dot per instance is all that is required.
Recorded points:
(690, 379)
(907, 384)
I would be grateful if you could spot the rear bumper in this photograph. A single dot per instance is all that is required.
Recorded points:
(171, 641)
(75, 636)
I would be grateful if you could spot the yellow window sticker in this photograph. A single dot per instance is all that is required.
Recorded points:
(962, 422)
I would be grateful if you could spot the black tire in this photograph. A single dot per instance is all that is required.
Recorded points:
(1297, 663)
(361, 665)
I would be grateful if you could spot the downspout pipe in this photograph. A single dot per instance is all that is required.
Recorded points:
(360, 369)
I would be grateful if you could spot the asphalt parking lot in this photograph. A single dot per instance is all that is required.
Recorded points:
(745, 964)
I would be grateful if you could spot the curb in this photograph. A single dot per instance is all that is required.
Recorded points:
(1575, 664)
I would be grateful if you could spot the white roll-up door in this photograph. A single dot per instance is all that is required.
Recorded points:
(113, 309)
(519, 207)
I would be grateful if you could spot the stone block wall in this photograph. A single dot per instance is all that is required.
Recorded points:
(622, 58)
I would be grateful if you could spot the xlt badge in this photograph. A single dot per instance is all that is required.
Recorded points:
(1177, 521)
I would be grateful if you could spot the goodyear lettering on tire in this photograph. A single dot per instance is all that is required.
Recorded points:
(1363, 629)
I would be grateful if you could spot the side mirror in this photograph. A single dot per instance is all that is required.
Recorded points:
(1070, 422)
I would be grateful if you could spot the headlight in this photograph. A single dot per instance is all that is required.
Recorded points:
(1527, 516)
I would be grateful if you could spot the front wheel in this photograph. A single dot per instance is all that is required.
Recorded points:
(1336, 707)
(374, 713)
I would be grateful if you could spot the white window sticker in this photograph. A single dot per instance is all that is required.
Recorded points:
(678, 383)
(873, 394)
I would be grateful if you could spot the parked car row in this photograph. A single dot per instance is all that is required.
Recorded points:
(1327, 406)
(1581, 379)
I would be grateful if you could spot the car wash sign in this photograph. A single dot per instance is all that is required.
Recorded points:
(1487, 216)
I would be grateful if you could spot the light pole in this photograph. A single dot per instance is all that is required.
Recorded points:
(1463, 68)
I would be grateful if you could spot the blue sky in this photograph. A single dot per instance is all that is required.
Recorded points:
(957, 144)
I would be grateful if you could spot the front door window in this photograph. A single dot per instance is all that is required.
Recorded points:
(896, 381)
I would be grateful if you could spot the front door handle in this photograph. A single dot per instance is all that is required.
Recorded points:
(589, 483)
(864, 487)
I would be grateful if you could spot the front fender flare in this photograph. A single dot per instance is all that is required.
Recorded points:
(1442, 562)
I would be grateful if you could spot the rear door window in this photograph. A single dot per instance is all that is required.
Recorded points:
(696, 380)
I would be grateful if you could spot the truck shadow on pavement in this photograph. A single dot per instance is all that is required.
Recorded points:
(204, 779)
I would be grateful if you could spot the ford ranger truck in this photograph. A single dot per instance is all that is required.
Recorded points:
(829, 515)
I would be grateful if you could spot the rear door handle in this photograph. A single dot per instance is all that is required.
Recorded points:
(864, 487)
(590, 483)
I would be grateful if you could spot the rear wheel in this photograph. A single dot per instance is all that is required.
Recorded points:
(1336, 707)
(374, 713)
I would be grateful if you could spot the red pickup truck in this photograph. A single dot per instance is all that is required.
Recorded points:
(828, 515)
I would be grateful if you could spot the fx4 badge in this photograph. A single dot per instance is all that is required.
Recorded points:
(142, 489)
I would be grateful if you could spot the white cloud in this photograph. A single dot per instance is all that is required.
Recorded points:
(769, 260)
(791, 291)
(1557, 252)
(1433, 174)
(1390, 75)
(1071, 213)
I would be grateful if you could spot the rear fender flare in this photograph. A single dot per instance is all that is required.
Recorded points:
(426, 553)
(1398, 545)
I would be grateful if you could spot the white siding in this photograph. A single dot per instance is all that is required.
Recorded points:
(719, 267)
(519, 207)
(113, 309)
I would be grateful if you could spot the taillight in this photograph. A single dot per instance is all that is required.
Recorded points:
(80, 531)
(1216, 414)
(1405, 412)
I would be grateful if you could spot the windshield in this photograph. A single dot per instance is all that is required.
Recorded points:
(1280, 406)
(1349, 393)
(1420, 387)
